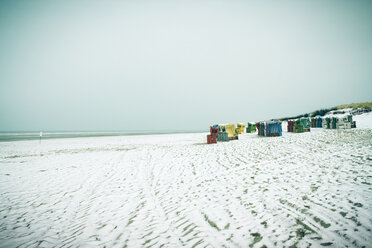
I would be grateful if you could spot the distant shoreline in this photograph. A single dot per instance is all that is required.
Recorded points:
(21, 136)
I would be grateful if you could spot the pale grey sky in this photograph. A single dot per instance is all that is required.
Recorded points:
(135, 65)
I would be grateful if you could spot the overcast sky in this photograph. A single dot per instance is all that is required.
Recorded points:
(150, 65)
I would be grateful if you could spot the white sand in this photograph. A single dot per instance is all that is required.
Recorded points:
(174, 190)
(363, 120)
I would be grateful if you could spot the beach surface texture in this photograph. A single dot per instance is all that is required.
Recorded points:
(174, 190)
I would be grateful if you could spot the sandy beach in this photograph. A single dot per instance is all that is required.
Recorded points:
(131, 124)
(173, 190)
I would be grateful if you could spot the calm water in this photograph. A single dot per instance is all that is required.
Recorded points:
(14, 136)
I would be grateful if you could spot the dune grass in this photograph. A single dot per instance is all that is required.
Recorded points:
(355, 105)
(322, 112)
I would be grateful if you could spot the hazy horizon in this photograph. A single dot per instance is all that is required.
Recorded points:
(169, 65)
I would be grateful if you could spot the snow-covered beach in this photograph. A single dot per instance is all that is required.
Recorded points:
(174, 190)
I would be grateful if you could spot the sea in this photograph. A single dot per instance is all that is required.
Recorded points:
(17, 136)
